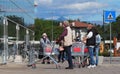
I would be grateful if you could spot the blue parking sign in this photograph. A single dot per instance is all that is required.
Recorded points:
(109, 16)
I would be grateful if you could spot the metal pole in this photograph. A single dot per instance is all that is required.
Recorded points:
(17, 36)
(52, 27)
(33, 37)
(5, 23)
(110, 45)
(104, 26)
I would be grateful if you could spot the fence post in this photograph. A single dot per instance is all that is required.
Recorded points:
(5, 51)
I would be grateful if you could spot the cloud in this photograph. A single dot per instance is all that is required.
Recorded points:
(45, 1)
(82, 6)
(86, 10)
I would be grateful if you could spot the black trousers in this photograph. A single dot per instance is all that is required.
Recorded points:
(69, 56)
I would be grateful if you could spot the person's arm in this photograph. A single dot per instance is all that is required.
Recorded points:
(89, 35)
(64, 33)
(42, 42)
(48, 41)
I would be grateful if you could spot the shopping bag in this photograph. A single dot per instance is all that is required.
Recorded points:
(61, 48)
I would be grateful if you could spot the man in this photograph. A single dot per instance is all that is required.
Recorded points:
(66, 36)
(90, 43)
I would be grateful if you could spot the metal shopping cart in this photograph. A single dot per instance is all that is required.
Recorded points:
(50, 51)
(80, 52)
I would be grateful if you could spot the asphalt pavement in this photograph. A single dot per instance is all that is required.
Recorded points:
(21, 68)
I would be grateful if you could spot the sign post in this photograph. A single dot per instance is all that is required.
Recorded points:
(110, 16)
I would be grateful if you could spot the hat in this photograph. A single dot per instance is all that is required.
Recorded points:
(44, 34)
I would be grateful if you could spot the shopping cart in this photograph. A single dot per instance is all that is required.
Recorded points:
(80, 52)
(50, 51)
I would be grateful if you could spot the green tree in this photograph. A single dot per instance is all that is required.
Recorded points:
(12, 26)
(50, 27)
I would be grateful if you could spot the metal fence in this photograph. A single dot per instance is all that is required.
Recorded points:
(12, 32)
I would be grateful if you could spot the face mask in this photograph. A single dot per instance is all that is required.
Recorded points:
(44, 36)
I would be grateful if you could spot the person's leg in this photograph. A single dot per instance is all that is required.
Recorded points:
(68, 52)
(97, 54)
(62, 55)
(13, 56)
(43, 61)
(59, 56)
(92, 62)
(48, 60)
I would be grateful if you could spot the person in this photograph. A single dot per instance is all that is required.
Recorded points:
(66, 36)
(61, 52)
(78, 38)
(24, 51)
(90, 43)
(44, 41)
(97, 46)
(31, 54)
(14, 50)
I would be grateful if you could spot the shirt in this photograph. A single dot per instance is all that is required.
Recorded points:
(64, 33)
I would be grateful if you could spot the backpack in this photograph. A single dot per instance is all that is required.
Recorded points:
(98, 39)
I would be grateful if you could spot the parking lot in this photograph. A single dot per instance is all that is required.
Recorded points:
(19, 68)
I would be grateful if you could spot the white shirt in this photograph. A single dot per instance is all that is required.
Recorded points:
(89, 35)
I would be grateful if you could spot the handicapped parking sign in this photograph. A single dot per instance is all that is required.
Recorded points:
(109, 16)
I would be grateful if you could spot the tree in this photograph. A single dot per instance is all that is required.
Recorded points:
(12, 26)
(47, 26)
(17, 19)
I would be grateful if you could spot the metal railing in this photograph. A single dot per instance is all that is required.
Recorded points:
(10, 32)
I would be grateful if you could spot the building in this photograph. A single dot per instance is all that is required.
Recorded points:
(79, 29)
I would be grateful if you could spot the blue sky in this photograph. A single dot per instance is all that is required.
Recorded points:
(85, 10)
(20, 8)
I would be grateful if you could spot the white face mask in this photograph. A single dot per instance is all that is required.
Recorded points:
(44, 36)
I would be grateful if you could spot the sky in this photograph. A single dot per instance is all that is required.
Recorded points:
(85, 10)
(20, 8)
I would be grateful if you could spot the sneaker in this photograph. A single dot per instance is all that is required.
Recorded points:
(69, 68)
(91, 66)
(48, 62)
(29, 65)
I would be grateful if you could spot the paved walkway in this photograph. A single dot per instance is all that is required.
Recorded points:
(21, 68)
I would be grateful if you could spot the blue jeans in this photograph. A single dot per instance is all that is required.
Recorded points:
(92, 62)
(96, 54)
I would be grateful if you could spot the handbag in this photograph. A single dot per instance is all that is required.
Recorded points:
(61, 48)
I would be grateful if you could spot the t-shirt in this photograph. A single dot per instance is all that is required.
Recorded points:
(98, 38)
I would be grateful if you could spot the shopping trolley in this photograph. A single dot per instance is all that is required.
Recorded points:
(80, 52)
(50, 51)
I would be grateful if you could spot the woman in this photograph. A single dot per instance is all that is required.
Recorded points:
(44, 42)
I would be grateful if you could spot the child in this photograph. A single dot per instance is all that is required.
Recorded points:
(61, 52)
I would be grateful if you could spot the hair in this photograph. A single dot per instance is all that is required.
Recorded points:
(66, 23)
(44, 34)
(95, 30)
